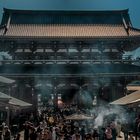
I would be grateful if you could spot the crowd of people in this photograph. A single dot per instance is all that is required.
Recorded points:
(52, 124)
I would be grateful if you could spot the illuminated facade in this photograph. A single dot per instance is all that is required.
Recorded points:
(66, 52)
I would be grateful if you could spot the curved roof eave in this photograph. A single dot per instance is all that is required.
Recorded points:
(78, 10)
(72, 37)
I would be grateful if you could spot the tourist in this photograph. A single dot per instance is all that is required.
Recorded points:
(18, 136)
(1, 136)
(95, 134)
(114, 131)
(33, 134)
(88, 137)
(137, 127)
(130, 136)
(61, 136)
(26, 130)
(108, 133)
(7, 133)
(118, 128)
(82, 132)
(47, 134)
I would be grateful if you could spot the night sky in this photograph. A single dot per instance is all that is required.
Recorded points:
(132, 5)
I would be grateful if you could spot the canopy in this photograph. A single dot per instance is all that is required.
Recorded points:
(128, 99)
(80, 116)
(6, 80)
(6, 105)
(4, 97)
(134, 88)
(17, 102)
(135, 85)
(11, 101)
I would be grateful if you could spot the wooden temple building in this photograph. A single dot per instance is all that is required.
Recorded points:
(68, 52)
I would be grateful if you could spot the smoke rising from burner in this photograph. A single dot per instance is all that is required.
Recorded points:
(5, 56)
(120, 115)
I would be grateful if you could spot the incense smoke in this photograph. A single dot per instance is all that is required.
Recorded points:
(119, 113)
(5, 56)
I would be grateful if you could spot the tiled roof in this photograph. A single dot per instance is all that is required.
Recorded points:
(131, 98)
(82, 30)
(95, 30)
(62, 24)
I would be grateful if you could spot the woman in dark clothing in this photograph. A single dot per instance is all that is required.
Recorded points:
(18, 137)
(108, 133)
(26, 131)
(33, 135)
(7, 135)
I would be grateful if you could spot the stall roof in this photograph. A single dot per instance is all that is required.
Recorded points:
(6, 80)
(128, 99)
(4, 97)
(14, 101)
(17, 102)
(134, 85)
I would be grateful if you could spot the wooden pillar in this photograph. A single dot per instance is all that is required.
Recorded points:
(113, 92)
(55, 48)
(101, 50)
(91, 58)
(79, 50)
(67, 49)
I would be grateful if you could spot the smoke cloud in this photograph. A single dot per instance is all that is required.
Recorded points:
(118, 111)
(5, 56)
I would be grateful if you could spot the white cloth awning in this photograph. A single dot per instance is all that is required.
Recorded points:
(17, 102)
(6, 80)
(134, 88)
(128, 99)
(13, 101)
(4, 97)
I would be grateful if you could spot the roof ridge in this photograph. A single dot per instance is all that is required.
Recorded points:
(115, 25)
(65, 10)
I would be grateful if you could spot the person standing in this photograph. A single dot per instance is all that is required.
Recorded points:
(33, 134)
(26, 131)
(53, 133)
(130, 136)
(118, 128)
(1, 136)
(114, 131)
(7, 133)
(108, 133)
